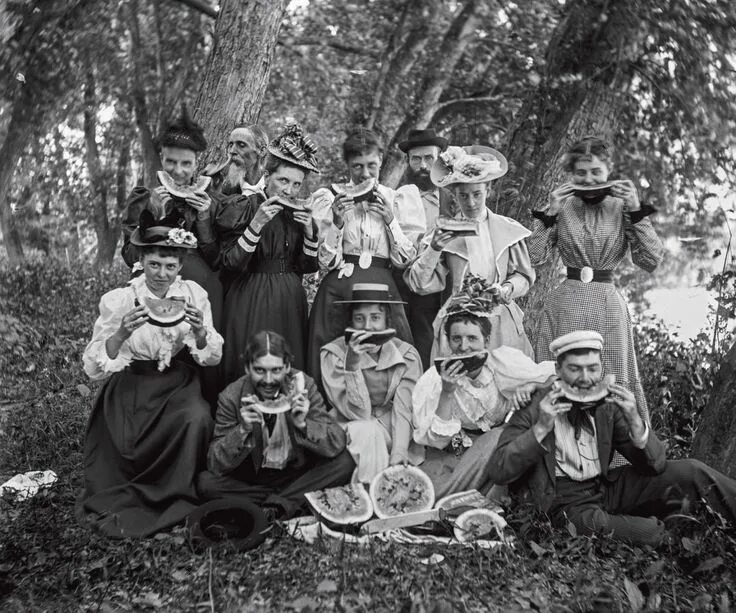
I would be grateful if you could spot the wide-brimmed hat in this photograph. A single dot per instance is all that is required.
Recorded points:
(165, 232)
(232, 521)
(422, 138)
(472, 164)
(295, 147)
(370, 293)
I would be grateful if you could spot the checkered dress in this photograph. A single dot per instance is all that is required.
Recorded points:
(595, 235)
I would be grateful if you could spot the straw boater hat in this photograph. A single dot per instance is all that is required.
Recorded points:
(370, 293)
(295, 147)
(184, 133)
(473, 164)
(422, 138)
(580, 339)
(166, 232)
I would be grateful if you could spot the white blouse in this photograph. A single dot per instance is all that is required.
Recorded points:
(149, 342)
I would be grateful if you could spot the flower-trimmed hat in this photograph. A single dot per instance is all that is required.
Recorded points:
(422, 138)
(184, 132)
(165, 232)
(472, 164)
(295, 147)
(477, 296)
(370, 293)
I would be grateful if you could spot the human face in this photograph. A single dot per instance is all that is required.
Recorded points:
(369, 317)
(466, 337)
(160, 272)
(422, 158)
(472, 198)
(241, 148)
(267, 374)
(590, 172)
(285, 181)
(362, 167)
(179, 163)
(581, 371)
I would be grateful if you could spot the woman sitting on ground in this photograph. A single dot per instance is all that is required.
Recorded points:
(150, 426)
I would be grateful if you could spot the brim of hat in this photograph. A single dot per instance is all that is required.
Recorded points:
(453, 178)
(254, 535)
(442, 176)
(300, 163)
(135, 239)
(437, 141)
(579, 345)
(369, 302)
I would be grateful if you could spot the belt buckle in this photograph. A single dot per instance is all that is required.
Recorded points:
(586, 274)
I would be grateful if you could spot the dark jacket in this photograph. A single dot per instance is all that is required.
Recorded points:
(529, 468)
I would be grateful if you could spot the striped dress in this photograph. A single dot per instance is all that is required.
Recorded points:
(597, 235)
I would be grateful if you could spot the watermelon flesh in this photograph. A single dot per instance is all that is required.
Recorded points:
(182, 191)
(594, 394)
(341, 506)
(401, 489)
(361, 191)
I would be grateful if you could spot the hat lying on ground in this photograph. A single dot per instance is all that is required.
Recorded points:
(370, 293)
(472, 164)
(235, 521)
(580, 339)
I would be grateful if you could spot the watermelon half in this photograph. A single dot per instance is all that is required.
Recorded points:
(401, 489)
(182, 191)
(589, 192)
(479, 524)
(341, 506)
(165, 312)
(360, 192)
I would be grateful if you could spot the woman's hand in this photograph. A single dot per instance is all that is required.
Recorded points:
(381, 206)
(266, 212)
(195, 318)
(200, 203)
(250, 415)
(341, 205)
(299, 410)
(131, 321)
(304, 218)
(522, 396)
(160, 197)
(440, 239)
(451, 373)
(626, 190)
(356, 349)
(558, 196)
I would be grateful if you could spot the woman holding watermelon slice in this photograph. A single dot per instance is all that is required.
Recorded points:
(149, 429)
(268, 241)
(594, 223)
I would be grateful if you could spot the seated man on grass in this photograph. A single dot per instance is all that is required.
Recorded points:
(557, 453)
(273, 439)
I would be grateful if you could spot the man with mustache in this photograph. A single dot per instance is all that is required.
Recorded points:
(422, 147)
(242, 172)
(274, 439)
(556, 454)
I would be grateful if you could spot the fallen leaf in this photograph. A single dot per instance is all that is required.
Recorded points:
(539, 551)
(690, 545)
(633, 593)
(326, 585)
(302, 603)
(655, 569)
(180, 576)
(84, 390)
(572, 529)
(709, 564)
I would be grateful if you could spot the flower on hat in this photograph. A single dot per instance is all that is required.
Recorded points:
(180, 236)
(457, 160)
(477, 296)
(295, 146)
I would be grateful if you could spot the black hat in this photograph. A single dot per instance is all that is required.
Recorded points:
(423, 138)
(184, 133)
(165, 232)
(236, 521)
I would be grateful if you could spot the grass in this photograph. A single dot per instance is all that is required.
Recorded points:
(48, 562)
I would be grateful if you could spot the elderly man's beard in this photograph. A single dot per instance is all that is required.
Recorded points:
(420, 178)
(233, 179)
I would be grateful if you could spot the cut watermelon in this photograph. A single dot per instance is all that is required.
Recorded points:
(479, 524)
(594, 394)
(341, 506)
(360, 192)
(183, 191)
(401, 489)
(165, 312)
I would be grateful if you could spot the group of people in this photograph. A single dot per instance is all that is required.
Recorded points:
(414, 350)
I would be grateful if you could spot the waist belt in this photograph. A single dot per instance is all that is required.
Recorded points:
(142, 367)
(587, 274)
(376, 262)
(278, 267)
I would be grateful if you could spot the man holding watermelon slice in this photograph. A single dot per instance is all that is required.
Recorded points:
(556, 452)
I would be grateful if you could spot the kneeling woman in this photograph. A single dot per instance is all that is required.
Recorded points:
(370, 384)
(149, 429)
(458, 413)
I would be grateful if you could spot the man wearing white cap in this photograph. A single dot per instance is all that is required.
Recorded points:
(556, 452)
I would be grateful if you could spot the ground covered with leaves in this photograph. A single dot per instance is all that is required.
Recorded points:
(48, 562)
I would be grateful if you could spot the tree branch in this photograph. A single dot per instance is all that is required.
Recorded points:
(201, 6)
(321, 42)
(460, 104)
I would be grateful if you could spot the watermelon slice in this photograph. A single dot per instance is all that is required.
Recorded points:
(375, 337)
(589, 192)
(594, 394)
(470, 361)
(183, 191)
(282, 404)
(341, 506)
(479, 523)
(459, 227)
(166, 312)
(297, 204)
(360, 192)
(401, 489)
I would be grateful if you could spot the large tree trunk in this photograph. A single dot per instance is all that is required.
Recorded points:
(237, 72)
(581, 93)
(715, 440)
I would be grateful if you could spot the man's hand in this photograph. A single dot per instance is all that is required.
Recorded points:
(341, 205)
(266, 212)
(250, 415)
(299, 410)
(522, 396)
(626, 401)
(381, 206)
(549, 408)
(440, 239)
(558, 196)
(626, 190)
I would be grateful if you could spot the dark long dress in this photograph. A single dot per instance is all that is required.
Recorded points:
(267, 293)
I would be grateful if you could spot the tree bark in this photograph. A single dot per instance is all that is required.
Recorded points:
(237, 71)
(715, 439)
(581, 93)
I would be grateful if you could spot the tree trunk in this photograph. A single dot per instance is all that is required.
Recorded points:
(237, 71)
(715, 439)
(581, 93)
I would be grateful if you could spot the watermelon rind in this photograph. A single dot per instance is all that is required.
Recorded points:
(409, 489)
(273, 407)
(459, 227)
(165, 312)
(341, 506)
(183, 191)
(476, 524)
(471, 361)
(594, 191)
(361, 191)
(594, 394)
(377, 337)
